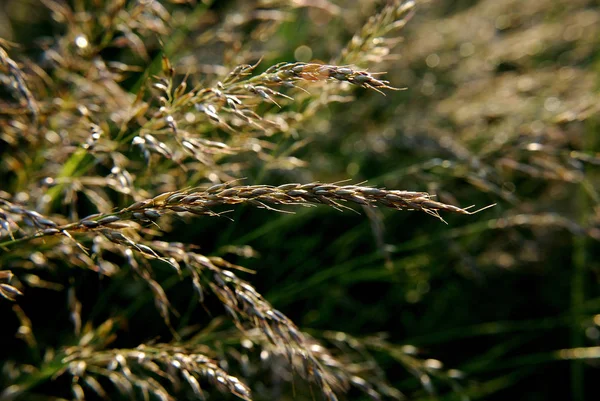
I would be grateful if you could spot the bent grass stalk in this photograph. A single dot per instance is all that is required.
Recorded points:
(261, 196)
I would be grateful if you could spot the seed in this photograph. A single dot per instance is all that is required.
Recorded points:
(361, 79)
(108, 219)
(191, 199)
(324, 187)
(297, 192)
(343, 192)
(229, 192)
(137, 205)
(90, 223)
(286, 187)
(357, 199)
(9, 290)
(395, 198)
(153, 214)
(260, 191)
(146, 249)
(46, 222)
(175, 198)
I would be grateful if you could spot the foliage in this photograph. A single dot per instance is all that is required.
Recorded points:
(141, 139)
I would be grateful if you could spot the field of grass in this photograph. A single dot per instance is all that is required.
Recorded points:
(299, 199)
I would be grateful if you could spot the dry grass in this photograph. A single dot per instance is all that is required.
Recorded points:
(126, 125)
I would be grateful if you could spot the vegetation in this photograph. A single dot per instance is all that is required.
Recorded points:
(165, 175)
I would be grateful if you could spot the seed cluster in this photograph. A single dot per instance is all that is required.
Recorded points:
(131, 368)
